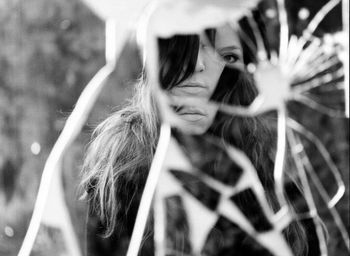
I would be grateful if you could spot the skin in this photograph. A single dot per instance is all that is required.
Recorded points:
(210, 64)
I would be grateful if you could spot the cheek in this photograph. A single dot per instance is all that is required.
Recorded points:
(215, 75)
(208, 122)
(211, 111)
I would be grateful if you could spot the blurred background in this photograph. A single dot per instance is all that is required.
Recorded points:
(50, 49)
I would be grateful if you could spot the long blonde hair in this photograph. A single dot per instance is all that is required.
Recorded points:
(120, 145)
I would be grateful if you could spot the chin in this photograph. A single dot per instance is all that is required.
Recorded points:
(195, 128)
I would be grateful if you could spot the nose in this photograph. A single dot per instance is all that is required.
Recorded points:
(200, 67)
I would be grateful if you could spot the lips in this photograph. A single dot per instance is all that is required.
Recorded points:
(191, 114)
(195, 84)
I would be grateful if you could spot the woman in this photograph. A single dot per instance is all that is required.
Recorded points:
(120, 154)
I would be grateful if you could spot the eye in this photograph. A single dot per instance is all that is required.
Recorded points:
(230, 57)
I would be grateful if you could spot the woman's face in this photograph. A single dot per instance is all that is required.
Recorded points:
(204, 80)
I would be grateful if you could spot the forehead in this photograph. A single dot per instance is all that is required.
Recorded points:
(225, 37)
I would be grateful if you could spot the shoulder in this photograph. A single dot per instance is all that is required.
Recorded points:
(124, 134)
(118, 145)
